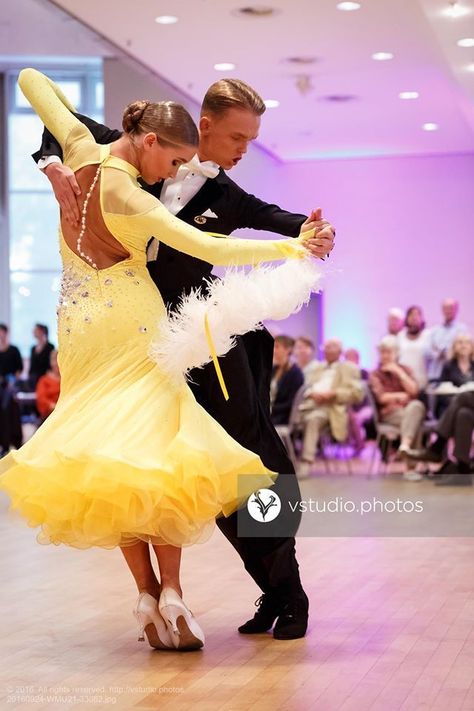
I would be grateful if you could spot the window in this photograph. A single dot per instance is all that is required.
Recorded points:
(35, 267)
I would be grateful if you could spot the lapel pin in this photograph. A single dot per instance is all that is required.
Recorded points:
(200, 220)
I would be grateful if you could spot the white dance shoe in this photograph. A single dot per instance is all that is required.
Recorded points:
(151, 623)
(182, 625)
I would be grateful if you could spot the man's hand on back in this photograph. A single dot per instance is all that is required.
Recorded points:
(66, 190)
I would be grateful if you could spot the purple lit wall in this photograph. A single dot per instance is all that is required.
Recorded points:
(405, 235)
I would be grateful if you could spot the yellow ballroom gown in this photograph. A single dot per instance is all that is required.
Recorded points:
(127, 454)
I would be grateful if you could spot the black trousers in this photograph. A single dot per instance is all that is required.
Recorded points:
(10, 420)
(270, 559)
(458, 422)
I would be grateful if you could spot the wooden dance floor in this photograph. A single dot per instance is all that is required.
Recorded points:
(392, 625)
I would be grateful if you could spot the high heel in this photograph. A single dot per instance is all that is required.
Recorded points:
(151, 623)
(182, 625)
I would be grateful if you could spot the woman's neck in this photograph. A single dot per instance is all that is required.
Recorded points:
(123, 148)
(464, 363)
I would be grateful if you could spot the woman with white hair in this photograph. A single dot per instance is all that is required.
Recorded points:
(395, 391)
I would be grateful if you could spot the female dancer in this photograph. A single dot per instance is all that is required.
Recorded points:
(128, 454)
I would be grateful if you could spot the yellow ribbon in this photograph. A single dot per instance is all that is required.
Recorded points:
(210, 342)
(217, 366)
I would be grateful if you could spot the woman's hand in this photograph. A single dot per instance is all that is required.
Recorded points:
(321, 243)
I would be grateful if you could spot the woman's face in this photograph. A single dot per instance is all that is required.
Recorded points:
(158, 162)
(463, 347)
(387, 355)
(281, 354)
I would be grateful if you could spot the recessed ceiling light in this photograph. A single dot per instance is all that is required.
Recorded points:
(455, 10)
(408, 95)
(382, 56)
(348, 6)
(430, 127)
(271, 103)
(166, 19)
(470, 68)
(224, 66)
(466, 42)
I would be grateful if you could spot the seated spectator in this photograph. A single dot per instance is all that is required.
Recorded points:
(457, 422)
(47, 388)
(360, 413)
(303, 352)
(442, 337)
(39, 356)
(395, 321)
(11, 362)
(287, 379)
(11, 434)
(353, 356)
(414, 346)
(459, 369)
(333, 386)
(395, 391)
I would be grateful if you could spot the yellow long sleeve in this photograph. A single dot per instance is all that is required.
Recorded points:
(50, 104)
(128, 210)
(167, 228)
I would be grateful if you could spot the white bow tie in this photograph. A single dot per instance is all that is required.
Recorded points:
(206, 168)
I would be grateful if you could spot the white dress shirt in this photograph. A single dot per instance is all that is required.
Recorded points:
(177, 192)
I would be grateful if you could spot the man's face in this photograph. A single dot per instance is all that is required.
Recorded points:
(450, 310)
(414, 321)
(395, 324)
(332, 351)
(224, 139)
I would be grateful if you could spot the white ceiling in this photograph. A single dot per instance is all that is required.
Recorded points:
(375, 123)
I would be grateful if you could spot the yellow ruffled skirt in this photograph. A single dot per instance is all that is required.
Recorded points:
(126, 456)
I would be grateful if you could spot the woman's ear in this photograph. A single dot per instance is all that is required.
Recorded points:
(149, 140)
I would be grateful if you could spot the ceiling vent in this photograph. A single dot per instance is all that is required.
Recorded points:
(339, 98)
(301, 61)
(256, 11)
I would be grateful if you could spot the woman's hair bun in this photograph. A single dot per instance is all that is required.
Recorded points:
(133, 114)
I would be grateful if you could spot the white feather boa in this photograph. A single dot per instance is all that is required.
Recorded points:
(235, 304)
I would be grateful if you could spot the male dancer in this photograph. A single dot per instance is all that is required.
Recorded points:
(203, 195)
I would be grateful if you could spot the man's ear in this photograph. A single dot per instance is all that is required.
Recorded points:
(204, 125)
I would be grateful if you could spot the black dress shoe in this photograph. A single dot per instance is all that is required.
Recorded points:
(423, 455)
(292, 622)
(269, 607)
(448, 467)
(454, 480)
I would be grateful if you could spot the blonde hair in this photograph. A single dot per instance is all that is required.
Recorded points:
(169, 121)
(453, 353)
(231, 94)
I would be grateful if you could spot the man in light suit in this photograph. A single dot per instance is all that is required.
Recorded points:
(332, 386)
(203, 195)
